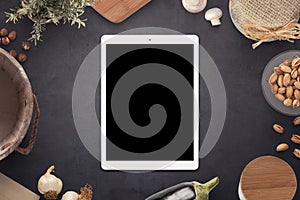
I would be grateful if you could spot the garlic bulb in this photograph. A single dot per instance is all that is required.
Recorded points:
(86, 193)
(70, 195)
(49, 185)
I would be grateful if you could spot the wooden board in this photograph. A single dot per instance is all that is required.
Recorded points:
(268, 178)
(117, 11)
(11, 190)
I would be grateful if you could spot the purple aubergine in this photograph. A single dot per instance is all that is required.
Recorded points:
(186, 191)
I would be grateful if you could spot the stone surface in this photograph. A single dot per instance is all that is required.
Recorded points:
(52, 68)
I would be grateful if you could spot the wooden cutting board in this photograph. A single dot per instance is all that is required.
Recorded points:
(268, 178)
(11, 190)
(117, 11)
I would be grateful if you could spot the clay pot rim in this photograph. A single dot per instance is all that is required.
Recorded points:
(17, 134)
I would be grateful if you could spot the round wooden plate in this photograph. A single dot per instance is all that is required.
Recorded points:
(268, 178)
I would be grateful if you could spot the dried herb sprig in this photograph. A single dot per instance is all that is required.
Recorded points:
(45, 11)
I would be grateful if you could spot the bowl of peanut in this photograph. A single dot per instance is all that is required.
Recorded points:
(281, 83)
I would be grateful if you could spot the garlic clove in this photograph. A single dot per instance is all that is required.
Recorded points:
(194, 6)
(59, 186)
(214, 15)
(49, 185)
(70, 195)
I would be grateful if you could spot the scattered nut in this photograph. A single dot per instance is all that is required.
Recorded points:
(278, 71)
(296, 62)
(13, 53)
(294, 73)
(297, 153)
(279, 129)
(285, 68)
(281, 90)
(297, 84)
(22, 57)
(5, 41)
(275, 89)
(288, 62)
(294, 87)
(7, 37)
(287, 79)
(282, 147)
(295, 138)
(280, 81)
(297, 121)
(280, 97)
(273, 78)
(12, 35)
(25, 46)
(296, 103)
(297, 94)
(292, 82)
(3, 32)
(288, 102)
(289, 92)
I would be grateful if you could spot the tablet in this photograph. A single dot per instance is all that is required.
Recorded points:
(149, 102)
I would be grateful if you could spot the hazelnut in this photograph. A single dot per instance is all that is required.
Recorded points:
(22, 57)
(25, 46)
(13, 53)
(5, 41)
(3, 32)
(12, 35)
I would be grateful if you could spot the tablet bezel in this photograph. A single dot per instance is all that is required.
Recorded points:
(147, 40)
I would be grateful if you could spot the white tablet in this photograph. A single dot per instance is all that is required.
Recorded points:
(149, 102)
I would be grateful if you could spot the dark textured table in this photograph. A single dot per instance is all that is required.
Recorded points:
(52, 68)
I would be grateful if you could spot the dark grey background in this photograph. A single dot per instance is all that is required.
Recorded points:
(52, 68)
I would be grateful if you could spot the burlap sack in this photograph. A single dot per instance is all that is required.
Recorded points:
(267, 13)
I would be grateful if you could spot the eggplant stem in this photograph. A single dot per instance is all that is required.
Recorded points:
(202, 190)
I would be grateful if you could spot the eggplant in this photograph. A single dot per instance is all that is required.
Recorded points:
(186, 191)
